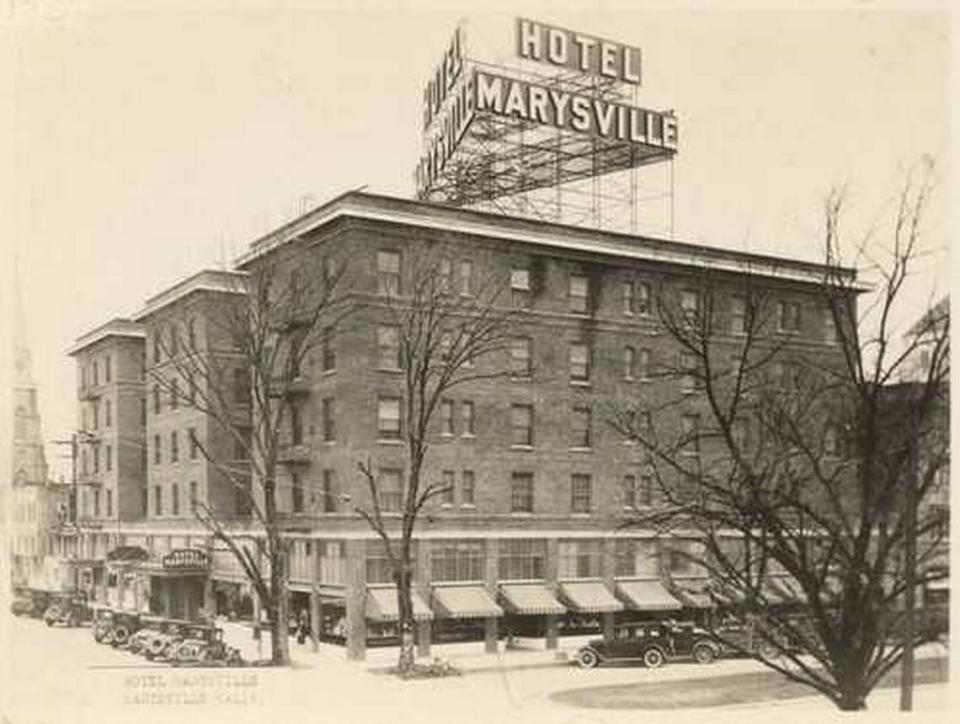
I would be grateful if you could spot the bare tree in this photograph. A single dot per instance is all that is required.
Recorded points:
(441, 338)
(799, 466)
(237, 354)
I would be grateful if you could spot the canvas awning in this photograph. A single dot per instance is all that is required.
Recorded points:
(941, 584)
(530, 598)
(464, 602)
(589, 597)
(693, 593)
(647, 596)
(382, 605)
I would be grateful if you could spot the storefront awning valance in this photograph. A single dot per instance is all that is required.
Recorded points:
(382, 605)
(647, 596)
(530, 598)
(589, 597)
(464, 602)
(942, 584)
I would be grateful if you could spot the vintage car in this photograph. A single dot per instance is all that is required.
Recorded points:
(203, 645)
(69, 609)
(22, 604)
(653, 643)
(114, 627)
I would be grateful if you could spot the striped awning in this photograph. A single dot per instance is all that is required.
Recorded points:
(589, 597)
(693, 593)
(530, 598)
(464, 602)
(382, 605)
(647, 596)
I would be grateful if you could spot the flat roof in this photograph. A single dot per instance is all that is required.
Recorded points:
(117, 327)
(388, 209)
(209, 280)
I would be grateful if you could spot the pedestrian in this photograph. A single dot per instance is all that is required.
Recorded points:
(303, 626)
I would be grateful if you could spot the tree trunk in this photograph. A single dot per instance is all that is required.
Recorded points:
(853, 693)
(406, 622)
(279, 613)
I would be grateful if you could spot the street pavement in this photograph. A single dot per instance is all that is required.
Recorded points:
(62, 675)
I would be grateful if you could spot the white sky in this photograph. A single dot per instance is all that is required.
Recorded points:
(151, 139)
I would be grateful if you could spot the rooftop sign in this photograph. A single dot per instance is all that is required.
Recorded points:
(577, 51)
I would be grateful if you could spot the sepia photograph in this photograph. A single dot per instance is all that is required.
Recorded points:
(414, 361)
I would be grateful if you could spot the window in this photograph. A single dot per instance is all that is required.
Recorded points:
(144, 509)
(467, 418)
(296, 491)
(108, 457)
(644, 371)
(241, 447)
(521, 559)
(446, 417)
(388, 418)
(388, 347)
(740, 433)
(96, 373)
(296, 424)
(579, 362)
(831, 442)
(630, 492)
(109, 503)
(521, 493)
(328, 273)
(788, 317)
(194, 443)
(636, 298)
(156, 449)
(467, 487)
(192, 333)
(156, 399)
(96, 416)
(388, 273)
(107, 372)
(96, 459)
(521, 422)
(690, 434)
(174, 449)
(688, 373)
(629, 298)
(329, 419)
(446, 276)
(579, 493)
(193, 495)
(175, 499)
(690, 305)
(738, 315)
(829, 327)
(390, 490)
(520, 287)
(157, 500)
(174, 394)
(458, 560)
(448, 482)
(636, 557)
(156, 347)
(581, 424)
(629, 363)
(174, 340)
(579, 291)
(241, 386)
(520, 357)
(329, 491)
(96, 503)
(328, 353)
(143, 410)
(466, 278)
(578, 559)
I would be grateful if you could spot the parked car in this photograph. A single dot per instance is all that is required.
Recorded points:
(653, 643)
(70, 609)
(22, 604)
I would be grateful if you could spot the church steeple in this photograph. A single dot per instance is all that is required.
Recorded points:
(29, 460)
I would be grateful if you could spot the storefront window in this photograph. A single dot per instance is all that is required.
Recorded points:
(457, 561)
(579, 559)
(521, 559)
(636, 557)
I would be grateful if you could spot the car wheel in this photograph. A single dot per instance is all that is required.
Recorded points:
(588, 659)
(653, 658)
(704, 653)
(121, 635)
(48, 621)
(767, 650)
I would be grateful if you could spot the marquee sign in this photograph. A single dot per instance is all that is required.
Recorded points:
(468, 105)
(186, 558)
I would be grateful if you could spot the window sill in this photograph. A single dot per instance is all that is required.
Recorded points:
(579, 515)
(468, 506)
(468, 436)
(390, 370)
(327, 373)
(580, 449)
(525, 448)
(385, 441)
(521, 514)
(580, 383)
(521, 378)
(447, 435)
